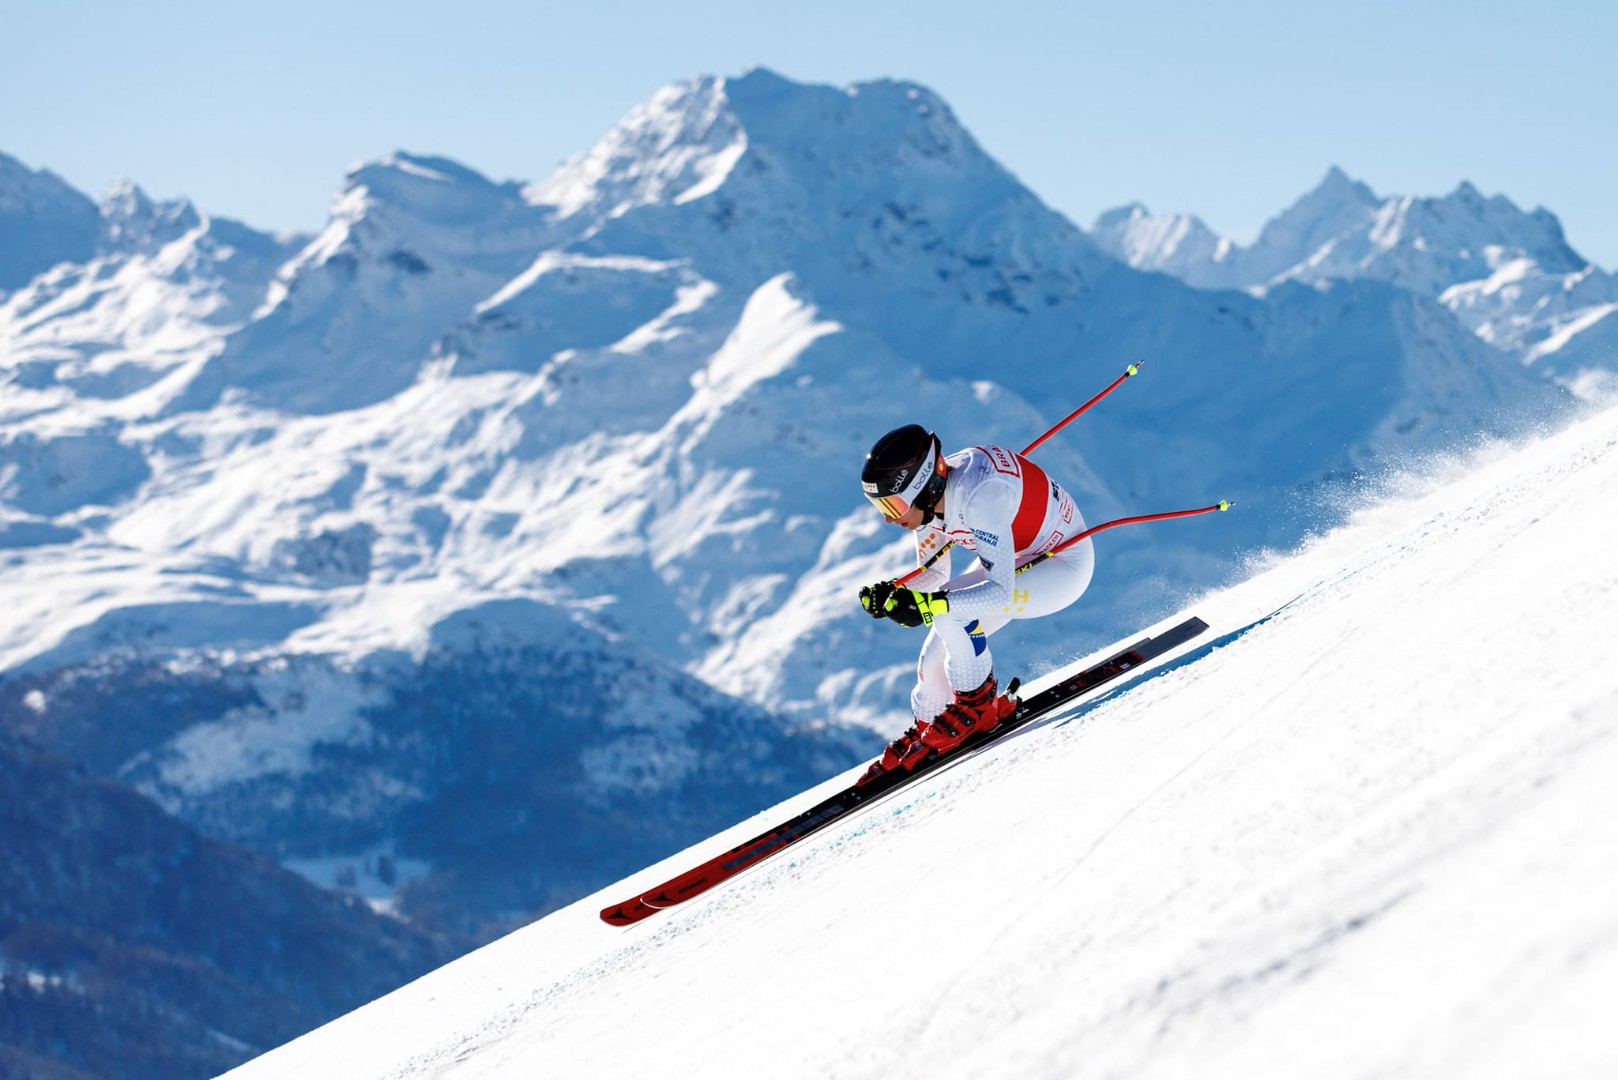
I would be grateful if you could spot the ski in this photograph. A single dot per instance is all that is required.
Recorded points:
(700, 879)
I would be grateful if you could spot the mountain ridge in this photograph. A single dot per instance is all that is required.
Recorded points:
(1510, 276)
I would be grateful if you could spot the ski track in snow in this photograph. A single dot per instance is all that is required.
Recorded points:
(1367, 827)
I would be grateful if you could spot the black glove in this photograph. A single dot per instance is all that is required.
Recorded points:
(874, 598)
(907, 607)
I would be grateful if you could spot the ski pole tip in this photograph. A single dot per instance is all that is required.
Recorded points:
(1225, 504)
(1134, 368)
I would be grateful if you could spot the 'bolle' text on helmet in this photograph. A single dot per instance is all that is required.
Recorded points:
(904, 469)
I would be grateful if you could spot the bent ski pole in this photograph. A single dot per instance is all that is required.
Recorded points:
(1222, 504)
(1076, 413)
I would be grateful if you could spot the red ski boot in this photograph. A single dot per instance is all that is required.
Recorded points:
(972, 711)
(905, 752)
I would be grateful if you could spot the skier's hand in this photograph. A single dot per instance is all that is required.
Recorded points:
(874, 598)
(907, 607)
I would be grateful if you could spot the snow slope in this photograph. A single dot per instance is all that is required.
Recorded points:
(1367, 827)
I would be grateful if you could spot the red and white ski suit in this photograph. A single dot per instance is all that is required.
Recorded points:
(1004, 508)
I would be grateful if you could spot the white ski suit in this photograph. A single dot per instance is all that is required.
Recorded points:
(1004, 508)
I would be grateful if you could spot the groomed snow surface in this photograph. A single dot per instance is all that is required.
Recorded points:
(1366, 827)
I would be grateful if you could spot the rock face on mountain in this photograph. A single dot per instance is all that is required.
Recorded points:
(502, 537)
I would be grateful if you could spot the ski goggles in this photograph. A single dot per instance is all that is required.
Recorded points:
(892, 507)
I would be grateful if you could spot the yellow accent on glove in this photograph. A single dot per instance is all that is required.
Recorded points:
(907, 607)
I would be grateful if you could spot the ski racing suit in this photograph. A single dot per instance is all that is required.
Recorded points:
(1004, 508)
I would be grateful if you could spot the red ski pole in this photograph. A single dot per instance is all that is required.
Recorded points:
(1222, 504)
(1076, 413)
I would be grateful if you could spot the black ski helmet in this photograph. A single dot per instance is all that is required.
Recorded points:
(905, 468)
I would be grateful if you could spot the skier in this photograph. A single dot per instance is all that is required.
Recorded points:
(997, 503)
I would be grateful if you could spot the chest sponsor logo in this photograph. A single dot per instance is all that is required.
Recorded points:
(1003, 460)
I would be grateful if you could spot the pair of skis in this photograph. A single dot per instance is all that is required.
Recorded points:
(722, 867)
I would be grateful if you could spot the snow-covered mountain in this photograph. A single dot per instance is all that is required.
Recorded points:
(1368, 826)
(1508, 275)
(508, 533)
(106, 329)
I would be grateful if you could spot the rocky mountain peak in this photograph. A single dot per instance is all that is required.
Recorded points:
(131, 221)
(43, 221)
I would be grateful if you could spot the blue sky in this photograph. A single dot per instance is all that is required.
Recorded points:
(1228, 110)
